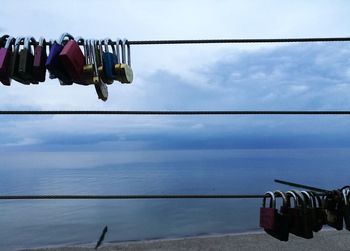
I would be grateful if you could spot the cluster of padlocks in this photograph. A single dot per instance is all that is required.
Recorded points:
(80, 61)
(304, 212)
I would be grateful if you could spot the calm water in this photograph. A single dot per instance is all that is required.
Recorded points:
(43, 223)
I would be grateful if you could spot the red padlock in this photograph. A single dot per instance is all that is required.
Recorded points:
(72, 59)
(268, 214)
(40, 56)
(5, 56)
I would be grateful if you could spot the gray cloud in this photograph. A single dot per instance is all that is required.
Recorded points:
(292, 77)
(231, 77)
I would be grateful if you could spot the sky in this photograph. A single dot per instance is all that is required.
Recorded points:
(188, 77)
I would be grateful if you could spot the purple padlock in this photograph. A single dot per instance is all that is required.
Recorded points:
(5, 55)
(53, 63)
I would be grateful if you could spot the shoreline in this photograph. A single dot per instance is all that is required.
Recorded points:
(327, 239)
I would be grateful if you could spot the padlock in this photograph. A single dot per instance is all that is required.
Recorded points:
(292, 212)
(100, 64)
(72, 59)
(26, 62)
(123, 70)
(88, 68)
(333, 209)
(54, 64)
(5, 59)
(51, 43)
(100, 87)
(318, 214)
(85, 78)
(298, 224)
(281, 229)
(268, 214)
(109, 60)
(305, 216)
(40, 57)
(14, 62)
(346, 207)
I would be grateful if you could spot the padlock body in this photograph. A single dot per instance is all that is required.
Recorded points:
(39, 69)
(14, 66)
(5, 56)
(281, 228)
(334, 219)
(53, 64)
(72, 59)
(299, 222)
(87, 75)
(318, 216)
(346, 213)
(25, 65)
(267, 218)
(334, 211)
(123, 73)
(101, 90)
(101, 73)
(109, 61)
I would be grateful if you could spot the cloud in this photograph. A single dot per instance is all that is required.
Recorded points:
(296, 77)
(205, 77)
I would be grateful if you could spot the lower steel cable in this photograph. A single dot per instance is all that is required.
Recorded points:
(126, 197)
(174, 112)
(132, 197)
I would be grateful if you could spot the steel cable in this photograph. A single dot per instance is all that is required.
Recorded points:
(160, 113)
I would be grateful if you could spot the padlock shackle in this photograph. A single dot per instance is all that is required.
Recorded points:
(18, 43)
(309, 198)
(3, 38)
(272, 201)
(126, 46)
(80, 40)
(106, 42)
(42, 41)
(27, 42)
(63, 36)
(51, 42)
(119, 51)
(345, 193)
(281, 194)
(289, 195)
(93, 43)
(87, 51)
(9, 41)
(100, 50)
(300, 198)
(317, 199)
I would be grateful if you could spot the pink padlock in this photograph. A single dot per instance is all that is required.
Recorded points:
(72, 59)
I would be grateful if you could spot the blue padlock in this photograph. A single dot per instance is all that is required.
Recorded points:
(109, 60)
(53, 63)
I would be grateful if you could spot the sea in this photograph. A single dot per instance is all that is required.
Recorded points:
(45, 223)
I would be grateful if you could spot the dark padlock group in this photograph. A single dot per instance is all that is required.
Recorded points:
(303, 213)
(80, 61)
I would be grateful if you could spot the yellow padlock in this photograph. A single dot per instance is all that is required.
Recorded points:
(122, 69)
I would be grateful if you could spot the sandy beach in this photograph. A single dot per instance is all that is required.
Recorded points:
(325, 240)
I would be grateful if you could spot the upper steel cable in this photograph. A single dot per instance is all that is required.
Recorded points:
(226, 41)
(159, 113)
(233, 41)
